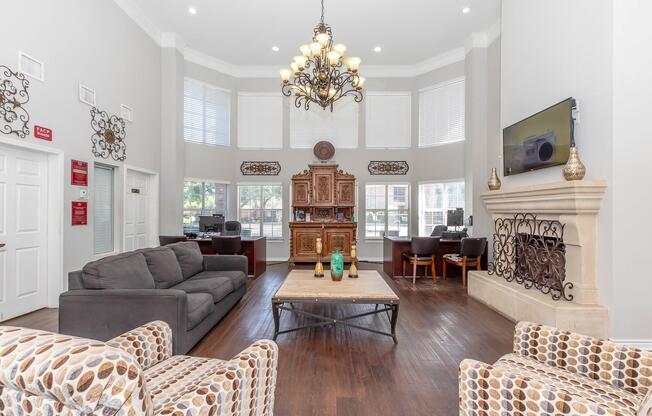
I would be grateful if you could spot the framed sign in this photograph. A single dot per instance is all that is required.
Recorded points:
(78, 173)
(79, 212)
(43, 133)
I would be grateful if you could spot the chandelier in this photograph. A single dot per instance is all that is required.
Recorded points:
(321, 74)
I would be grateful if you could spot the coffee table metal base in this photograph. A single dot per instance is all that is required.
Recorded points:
(391, 309)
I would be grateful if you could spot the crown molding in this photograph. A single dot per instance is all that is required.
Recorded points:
(140, 18)
(483, 39)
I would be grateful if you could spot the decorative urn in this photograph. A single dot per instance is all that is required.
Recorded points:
(337, 265)
(574, 170)
(494, 182)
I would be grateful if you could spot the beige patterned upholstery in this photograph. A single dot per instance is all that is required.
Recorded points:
(561, 373)
(132, 375)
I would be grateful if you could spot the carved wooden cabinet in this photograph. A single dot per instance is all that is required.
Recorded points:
(326, 196)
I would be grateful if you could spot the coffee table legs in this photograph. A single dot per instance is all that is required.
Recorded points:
(276, 311)
(393, 320)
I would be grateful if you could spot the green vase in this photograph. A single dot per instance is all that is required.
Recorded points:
(337, 265)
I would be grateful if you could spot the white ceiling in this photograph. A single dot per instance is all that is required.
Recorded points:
(242, 32)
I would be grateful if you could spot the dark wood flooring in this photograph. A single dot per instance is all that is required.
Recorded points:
(345, 371)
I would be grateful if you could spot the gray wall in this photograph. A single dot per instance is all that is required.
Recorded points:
(95, 43)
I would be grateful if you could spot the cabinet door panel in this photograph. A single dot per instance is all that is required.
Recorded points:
(304, 242)
(346, 193)
(323, 188)
(301, 193)
(341, 239)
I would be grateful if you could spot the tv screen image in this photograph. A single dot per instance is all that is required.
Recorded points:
(539, 141)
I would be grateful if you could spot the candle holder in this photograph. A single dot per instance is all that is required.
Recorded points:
(353, 270)
(319, 267)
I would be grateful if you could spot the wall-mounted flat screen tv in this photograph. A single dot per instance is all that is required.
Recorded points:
(539, 141)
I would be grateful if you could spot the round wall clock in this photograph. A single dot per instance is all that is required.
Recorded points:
(324, 150)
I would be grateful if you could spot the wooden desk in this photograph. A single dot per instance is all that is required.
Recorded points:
(255, 248)
(394, 247)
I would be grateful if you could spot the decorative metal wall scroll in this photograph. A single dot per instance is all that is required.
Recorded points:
(260, 168)
(388, 167)
(108, 138)
(13, 97)
(532, 253)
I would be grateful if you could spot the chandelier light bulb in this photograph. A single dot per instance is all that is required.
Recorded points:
(315, 48)
(295, 67)
(353, 63)
(333, 57)
(340, 48)
(285, 74)
(305, 50)
(331, 93)
(300, 60)
(323, 39)
(360, 84)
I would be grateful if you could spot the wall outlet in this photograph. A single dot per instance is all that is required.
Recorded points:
(83, 193)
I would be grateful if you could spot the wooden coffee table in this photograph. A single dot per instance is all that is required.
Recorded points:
(301, 286)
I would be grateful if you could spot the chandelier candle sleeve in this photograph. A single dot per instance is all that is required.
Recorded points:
(321, 74)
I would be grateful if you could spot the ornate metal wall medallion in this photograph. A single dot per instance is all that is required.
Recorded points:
(108, 137)
(388, 167)
(531, 252)
(324, 150)
(260, 168)
(13, 97)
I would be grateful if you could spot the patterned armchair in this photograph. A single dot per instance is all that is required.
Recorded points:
(135, 374)
(554, 372)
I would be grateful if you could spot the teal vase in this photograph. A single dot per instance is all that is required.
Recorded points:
(337, 265)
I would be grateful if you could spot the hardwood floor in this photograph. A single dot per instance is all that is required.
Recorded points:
(345, 371)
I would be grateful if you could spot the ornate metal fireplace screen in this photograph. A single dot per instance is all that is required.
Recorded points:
(531, 252)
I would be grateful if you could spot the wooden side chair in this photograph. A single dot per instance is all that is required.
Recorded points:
(227, 244)
(164, 240)
(422, 253)
(471, 251)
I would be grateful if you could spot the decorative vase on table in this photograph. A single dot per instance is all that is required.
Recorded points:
(574, 170)
(494, 181)
(337, 265)
(319, 267)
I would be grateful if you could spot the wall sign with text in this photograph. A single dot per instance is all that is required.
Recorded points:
(43, 133)
(79, 212)
(78, 173)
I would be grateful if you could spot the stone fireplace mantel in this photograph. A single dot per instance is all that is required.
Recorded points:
(576, 205)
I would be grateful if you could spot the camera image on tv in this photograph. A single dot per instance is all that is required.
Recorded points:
(539, 149)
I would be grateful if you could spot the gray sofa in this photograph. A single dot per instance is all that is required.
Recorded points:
(175, 284)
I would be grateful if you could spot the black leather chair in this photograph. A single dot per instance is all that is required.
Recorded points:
(232, 228)
(164, 240)
(438, 230)
(422, 253)
(227, 244)
(471, 251)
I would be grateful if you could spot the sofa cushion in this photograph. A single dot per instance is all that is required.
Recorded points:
(238, 278)
(200, 305)
(123, 271)
(218, 287)
(604, 395)
(189, 256)
(163, 265)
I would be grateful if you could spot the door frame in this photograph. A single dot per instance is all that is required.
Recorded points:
(55, 216)
(153, 208)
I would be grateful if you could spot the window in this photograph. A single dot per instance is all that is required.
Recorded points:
(441, 113)
(205, 113)
(340, 126)
(202, 198)
(387, 210)
(435, 199)
(388, 120)
(260, 120)
(260, 210)
(103, 209)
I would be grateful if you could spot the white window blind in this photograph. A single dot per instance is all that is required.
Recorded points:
(388, 120)
(260, 121)
(339, 127)
(441, 113)
(102, 209)
(206, 113)
(435, 199)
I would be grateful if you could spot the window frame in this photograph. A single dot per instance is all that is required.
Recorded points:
(386, 209)
(227, 184)
(229, 111)
(444, 210)
(420, 115)
(114, 233)
(281, 238)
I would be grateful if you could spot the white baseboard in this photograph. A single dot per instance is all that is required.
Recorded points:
(276, 259)
(371, 259)
(643, 344)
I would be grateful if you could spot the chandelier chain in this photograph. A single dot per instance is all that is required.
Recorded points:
(322, 11)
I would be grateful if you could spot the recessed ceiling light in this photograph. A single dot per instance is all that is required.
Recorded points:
(466, 10)
(377, 49)
(275, 48)
(192, 10)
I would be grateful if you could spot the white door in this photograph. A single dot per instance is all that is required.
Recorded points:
(23, 230)
(137, 210)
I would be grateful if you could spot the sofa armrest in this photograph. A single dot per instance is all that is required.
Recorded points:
(622, 367)
(116, 311)
(150, 344)
(226, 263)
(485, 390)
(244, 385)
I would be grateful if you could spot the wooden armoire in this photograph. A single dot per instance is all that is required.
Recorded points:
(326, 196)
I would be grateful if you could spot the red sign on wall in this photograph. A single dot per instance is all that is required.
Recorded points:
(78, 173)
(79, 212)
(43, 133)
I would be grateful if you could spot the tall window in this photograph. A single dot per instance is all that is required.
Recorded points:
(206, 113)
(441, 113)
(260, 210)
(202, 198)
(387, 210)
(435, 199)
(103, 209)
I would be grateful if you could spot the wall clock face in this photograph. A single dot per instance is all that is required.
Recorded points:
(324, 150)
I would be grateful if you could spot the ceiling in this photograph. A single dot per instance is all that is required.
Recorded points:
(242, 32)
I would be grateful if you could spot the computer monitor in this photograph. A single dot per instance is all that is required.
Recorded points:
(211, 223)
(455, 217)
